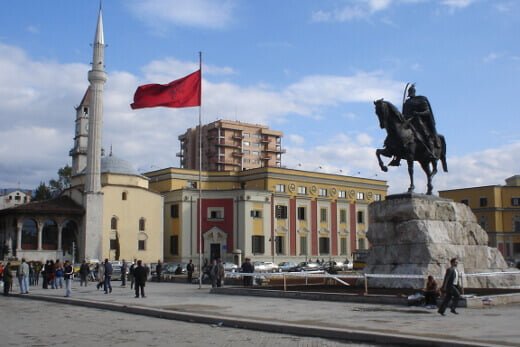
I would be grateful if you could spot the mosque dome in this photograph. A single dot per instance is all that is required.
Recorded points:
(115, 165)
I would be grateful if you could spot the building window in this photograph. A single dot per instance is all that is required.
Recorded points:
(141, 245)
(301, 213)
(280, 188)
(360, 217)
(215, 213)
(343, 216)
(517, 225)
(324, 245)
(361, 243)
(113, 244)
(323, 214)
(377, 197)
(342, 194)
(281, 212)
(113, 223)
(257, 245)
(174, 211)
(246, 143)
(303, 245)
(141, 224)
(483, 202)
(322, 192)
(124, 195)
(465, 202)
(174, 245)
(279, 245)
(256, 213)
(302, 190)
(343, 246)
(360, 196)
(483, 222)
(515, 201)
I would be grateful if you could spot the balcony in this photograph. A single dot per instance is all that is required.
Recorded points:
(265, 140)
(237, 154)
(275, 150)
(223, 143)
(228, 162)
(180, 154)
(237, 136)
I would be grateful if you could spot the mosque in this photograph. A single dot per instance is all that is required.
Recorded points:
(177, 214)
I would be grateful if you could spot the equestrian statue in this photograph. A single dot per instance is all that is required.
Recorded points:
(411, 135)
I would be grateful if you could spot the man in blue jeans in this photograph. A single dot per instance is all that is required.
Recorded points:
(108, 275)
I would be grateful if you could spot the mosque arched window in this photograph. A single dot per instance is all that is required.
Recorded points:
(113, 223)
(142, 224)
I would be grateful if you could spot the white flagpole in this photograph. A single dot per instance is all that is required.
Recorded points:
(199, 185)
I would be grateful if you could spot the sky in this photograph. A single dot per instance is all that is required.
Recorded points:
(311, 69)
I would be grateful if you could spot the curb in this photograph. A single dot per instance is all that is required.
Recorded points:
(349, 335)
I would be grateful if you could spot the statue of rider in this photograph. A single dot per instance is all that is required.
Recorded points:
(417, 110)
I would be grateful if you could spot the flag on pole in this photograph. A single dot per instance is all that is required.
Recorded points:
(184, 92)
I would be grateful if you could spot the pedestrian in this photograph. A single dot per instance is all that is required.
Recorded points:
(31, 274)
(37, 270)
(217, 273)
(451, 288)
(124, 268)
(140, 275)
(45, 282)
(107, 286)
(100, 273)
(189, 269)
(247, 268)
(51, 274)
(7, 278)
(58, 266)
(131, 274)
(23, 277)
(67, 275)
(84, 270)
(158, 270)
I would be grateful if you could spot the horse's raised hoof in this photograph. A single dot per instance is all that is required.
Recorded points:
(384, 168)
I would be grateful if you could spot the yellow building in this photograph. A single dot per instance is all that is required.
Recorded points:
(497, 209)
(266, 213)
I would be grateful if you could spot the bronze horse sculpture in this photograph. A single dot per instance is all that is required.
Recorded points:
(403, 141)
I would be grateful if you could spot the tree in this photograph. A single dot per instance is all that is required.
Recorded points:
(42, 193)
(63, 181)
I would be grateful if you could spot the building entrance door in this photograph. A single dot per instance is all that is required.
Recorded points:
(214, 251)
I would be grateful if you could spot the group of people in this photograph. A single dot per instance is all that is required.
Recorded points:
(450, 287)
(54, 274)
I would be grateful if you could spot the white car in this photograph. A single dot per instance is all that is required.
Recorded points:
(266, 266)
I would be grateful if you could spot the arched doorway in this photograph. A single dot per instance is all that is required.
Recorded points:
(69, 241)
(29, 234)
(50, 235)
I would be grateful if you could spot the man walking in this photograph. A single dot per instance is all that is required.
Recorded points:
(84, 270)
(67, 276)
(108, 275)
(124, 267)
(189, 269)
(24, 277)
(450, 287)
(140, 275)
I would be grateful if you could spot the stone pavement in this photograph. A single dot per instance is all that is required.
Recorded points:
(378, 324)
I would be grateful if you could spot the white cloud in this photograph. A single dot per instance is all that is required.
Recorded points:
(194, 13)
(295, 139)
(457, 4)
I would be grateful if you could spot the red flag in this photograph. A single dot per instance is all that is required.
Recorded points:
(184, 92)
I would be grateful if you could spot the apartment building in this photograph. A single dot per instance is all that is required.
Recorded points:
(231, 146)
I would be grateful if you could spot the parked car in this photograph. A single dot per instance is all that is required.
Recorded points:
(231, 267)
(265, 266)
(306, 266)
(287, 265)
(333, 267)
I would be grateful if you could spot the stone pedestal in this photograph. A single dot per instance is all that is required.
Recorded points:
(413, 234)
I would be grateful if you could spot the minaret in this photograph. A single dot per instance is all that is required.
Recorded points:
(92, 193)
(79, 151)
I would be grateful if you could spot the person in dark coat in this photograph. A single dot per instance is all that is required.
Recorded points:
(84, 270)
(7, 278)
(107, 286)
(451, 288)
(140, 275)
(158, 270)
(247, 267)
(189, 269)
